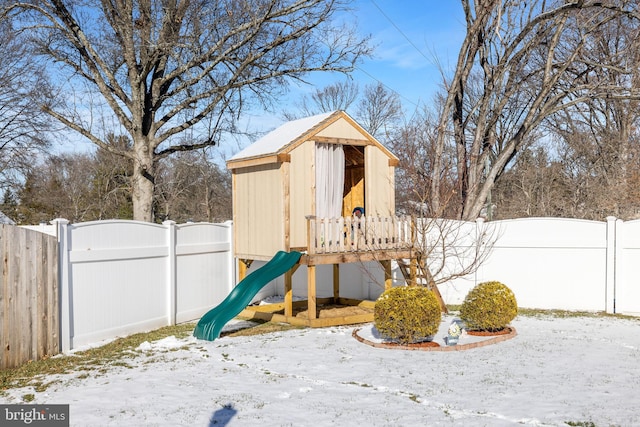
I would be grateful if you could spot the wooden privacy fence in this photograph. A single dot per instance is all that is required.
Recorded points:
(29, 311)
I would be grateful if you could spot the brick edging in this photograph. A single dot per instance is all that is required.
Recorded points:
(458, 347)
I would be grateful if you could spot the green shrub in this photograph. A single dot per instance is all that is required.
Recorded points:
(489, 306)
(407, 314)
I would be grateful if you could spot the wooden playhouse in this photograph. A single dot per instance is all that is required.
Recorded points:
(296, 189)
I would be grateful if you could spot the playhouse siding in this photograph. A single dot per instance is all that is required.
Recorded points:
(341, 128)
(302, 198)
(259, 211)
(379, 183)
(274, 182)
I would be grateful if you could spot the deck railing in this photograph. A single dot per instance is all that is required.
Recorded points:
(351, 234)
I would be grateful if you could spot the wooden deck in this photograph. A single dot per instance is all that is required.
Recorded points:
(334, 242)
(329, 313)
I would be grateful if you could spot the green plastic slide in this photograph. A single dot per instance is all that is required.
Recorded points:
(211, 324)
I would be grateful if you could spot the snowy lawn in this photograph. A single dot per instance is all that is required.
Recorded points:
(579, 371)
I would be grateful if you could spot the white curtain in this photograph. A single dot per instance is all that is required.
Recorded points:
(329, 180)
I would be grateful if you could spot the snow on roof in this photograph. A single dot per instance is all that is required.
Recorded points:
(279, 138)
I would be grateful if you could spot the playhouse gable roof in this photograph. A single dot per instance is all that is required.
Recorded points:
(288, 136)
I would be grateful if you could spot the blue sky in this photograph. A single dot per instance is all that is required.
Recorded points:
(410, 38)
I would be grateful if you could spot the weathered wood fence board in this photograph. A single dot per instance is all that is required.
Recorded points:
(29, 311)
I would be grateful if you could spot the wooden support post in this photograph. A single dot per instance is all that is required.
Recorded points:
(336, 283)
(243, 265)
(311, 291)
(288, 291)
(311, 234)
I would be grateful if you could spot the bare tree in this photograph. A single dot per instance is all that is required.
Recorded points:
(111, 184)
(60, 187)
(536, 186)
(336, 96)
(193, 187)
(520, 63)
(22, 127)
(78, 186)
(94, 186)
(160, 68)
(587, 166)
(174, 189)
(415, 145)
(379, 110)
(599, 136)
(448, 248)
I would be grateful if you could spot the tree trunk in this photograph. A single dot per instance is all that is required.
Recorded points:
(143, 182)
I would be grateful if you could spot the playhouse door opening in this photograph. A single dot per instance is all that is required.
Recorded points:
(330, 169)
(353, 194)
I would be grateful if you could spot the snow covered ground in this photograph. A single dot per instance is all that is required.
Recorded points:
(556, 372)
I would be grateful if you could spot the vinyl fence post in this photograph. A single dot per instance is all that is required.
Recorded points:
(611, 263)
(171, 272)
(231, 259)
(480, 229)
(65, 299)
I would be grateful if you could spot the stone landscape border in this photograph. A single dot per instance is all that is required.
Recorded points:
(459, 347)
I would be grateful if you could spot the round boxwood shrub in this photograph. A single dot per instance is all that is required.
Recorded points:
(407, 314)
(489, 306)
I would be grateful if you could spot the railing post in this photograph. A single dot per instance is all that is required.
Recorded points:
(311, 234)
(323, 235)
(361, 229)
(350, 233)
(171, 272)
(341, 235)
(388, 233)
(65, 299)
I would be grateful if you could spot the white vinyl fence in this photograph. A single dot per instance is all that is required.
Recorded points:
(549, 263)
(554, 263)
(120, 277)
(569, 264)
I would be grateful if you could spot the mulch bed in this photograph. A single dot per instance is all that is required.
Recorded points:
(493, 338)
(424, 344)
(504, 331)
